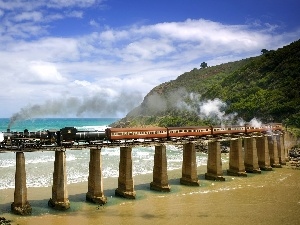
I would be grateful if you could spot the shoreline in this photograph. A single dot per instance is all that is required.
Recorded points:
(273, 197)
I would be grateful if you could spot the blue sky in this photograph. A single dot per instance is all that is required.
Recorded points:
(99, 58)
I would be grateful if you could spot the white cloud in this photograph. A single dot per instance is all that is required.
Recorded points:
(34, 16)
(75, 14)
(131, 60)
(148, 49)
(70, 3)
(48, 49)
(31, 5)
(25, 19)
(43, 72)
(94, 23)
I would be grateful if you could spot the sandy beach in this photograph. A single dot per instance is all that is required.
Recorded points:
(272, 197)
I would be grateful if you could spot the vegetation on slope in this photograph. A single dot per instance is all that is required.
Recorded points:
(265, 87)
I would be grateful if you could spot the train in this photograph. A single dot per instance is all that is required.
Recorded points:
(190, 132)
(68, 136)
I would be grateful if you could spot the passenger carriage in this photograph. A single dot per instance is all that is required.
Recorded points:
(188, 132)
(116, 134)
(276, 126)
(259, 129)
(228, 130)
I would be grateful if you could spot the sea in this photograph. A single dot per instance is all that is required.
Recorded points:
(271, 197)
(39, 165)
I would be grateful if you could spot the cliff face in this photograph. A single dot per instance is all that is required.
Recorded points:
(264, 87)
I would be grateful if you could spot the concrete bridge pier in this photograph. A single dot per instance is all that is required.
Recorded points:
(160, 171)
(251, 158)
(189, 165)
(281, 149)
(274, 159)
(20, 205)
(125, 181)
(263, 153)
(214, 162)
(59, 198)
(289, 142)
(95, 192)
(236, 161)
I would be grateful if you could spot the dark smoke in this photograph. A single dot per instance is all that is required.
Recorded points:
(99, 105)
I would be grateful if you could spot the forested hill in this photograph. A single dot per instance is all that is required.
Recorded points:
(266, 87)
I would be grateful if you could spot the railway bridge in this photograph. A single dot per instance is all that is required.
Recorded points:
(248, 154)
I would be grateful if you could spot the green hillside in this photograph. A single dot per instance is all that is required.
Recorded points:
(265, 87)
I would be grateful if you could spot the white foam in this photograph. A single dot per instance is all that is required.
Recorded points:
(39, 160)
(39, 165)
(1, 137)
(7, 163)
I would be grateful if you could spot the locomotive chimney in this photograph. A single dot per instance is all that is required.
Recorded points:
(8, 130)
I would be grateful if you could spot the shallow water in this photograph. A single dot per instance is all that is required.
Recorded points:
(272, 197)
(39, 165)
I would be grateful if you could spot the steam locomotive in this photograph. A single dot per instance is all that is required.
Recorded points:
(68, 136)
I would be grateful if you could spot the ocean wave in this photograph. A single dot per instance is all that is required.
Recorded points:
(39, 165)
(39, 160)
(4, 163)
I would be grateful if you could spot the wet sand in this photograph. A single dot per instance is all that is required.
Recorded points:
(272, 197)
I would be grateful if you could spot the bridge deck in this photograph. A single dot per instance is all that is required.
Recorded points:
(29, 147)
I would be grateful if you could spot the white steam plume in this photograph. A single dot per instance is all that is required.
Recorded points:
(255, 122)
(215, 110)
(99, 105)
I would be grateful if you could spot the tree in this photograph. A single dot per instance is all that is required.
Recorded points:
(264, 51)
(203, 65)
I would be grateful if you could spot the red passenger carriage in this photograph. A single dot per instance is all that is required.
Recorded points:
(189, 132)
(115, 134)
(228, 130)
